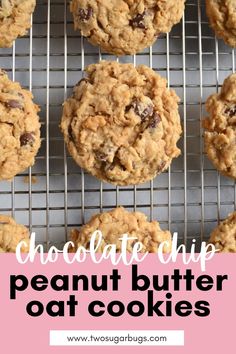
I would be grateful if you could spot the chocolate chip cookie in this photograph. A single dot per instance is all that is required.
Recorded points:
(11, 234)
(114, 224)
(125, 26)
(19, 128)
(122, 123)
(220, 128)
(224, 236)
(222, 17)
(15, 19)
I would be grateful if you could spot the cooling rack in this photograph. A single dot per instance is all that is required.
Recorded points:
(55, 195)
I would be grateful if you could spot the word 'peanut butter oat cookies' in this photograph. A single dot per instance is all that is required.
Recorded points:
(224, 236)
(115, 224)
(122, 123)
(19, 128)
(15, 19)
(11, 234)
(220, 128)
(125, 26)
(222, 17)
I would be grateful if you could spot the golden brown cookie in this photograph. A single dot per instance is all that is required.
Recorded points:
(220, 128)
(11, 234)
(15, 18)
(122, 123)
(19, 128)
(224, 236)
(115, 224)
(222, 17)
(125, 26)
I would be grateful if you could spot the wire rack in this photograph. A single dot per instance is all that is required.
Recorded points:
(55, 195)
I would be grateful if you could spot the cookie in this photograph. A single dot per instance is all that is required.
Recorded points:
(11, 234)
(222, 17)
(15, 19)
(224, 236)
(220, 133)
(125, 26)
(114, 224)
(19, 128)
(122, 123)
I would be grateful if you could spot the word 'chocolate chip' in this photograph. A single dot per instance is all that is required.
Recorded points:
(14, 104)
(85, 14)
(138, 21)
(27, 139)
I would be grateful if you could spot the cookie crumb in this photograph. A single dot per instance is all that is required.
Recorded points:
(33, 180)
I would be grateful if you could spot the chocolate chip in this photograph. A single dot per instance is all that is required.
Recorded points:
(14, 104)
(87, 246)
(70, 133)
(114, 164)
(27, 139)
(231, 111)
(131, 106)
(101, 156)
(19, 94)
(77, 85)
(161, 167)
(154, 121)
(147, 112)
(3, 72)
(82, 80)
(138, 21)
(140, 109)
(85, 14)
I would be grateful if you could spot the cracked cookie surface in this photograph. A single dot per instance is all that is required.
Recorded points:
(224, 236)
(222, 17)
(220, 128)
(15, 19)
(122, 123)
(125, 26)
(117, 222)
(19, 128)
(11, 234)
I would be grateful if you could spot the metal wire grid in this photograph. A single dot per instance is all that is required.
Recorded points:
(190, 198)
